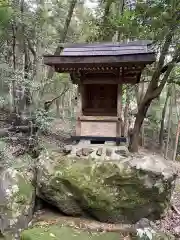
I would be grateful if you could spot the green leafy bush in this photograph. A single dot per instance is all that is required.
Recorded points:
(42, 119)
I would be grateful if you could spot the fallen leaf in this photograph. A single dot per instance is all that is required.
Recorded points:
(52, 235)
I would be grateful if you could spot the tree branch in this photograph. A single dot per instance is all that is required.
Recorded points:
(31, 47)
(47, 104)
(159, 89)
(170, 67)
(164, 51)
(164, 69)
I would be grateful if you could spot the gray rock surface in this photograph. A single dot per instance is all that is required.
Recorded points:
(110, 190)
(17, 197)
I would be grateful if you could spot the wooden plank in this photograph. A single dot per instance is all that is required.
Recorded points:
(101, 113)
(78, 127)
(100, 78)
(101, 129)
(104, 49)
(119, 47)
(97, 138)
(110, 81)
(103, 52)
(119, 101)
(119, 110)
(118, 128)
(79, 110)
(101, 110)
(99, 118)
(99, 81)
(91, 72)
(74, 61)
(107, 44)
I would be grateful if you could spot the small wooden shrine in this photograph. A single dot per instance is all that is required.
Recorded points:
(99, 70)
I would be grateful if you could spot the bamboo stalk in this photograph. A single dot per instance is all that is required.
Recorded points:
(169, 128)
(176, 143)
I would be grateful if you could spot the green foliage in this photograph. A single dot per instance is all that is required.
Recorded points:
(149, 20)
(5, 12)
(2, 102)
(5, 17)
(154, 120)
(42, 119)
(3, 148)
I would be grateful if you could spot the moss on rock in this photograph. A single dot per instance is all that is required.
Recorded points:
(65, 233)
(70, 230)
(111, 191)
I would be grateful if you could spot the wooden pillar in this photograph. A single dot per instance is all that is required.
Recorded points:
(119, 110)
(79, 110)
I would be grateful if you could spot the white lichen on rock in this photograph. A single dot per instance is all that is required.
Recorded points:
(16, 200)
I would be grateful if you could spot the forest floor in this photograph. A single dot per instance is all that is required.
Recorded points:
(58, 137)
(171, 220)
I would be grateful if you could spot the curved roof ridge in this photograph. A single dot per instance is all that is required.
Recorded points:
(109, 44)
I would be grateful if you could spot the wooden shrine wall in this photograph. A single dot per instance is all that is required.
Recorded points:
(99, 108)
(99, 100)
(98, 128)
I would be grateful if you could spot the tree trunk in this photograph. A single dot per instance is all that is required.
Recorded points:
(64, 33)
(169, 128)
(161, 133)
(176, 142)
(57, 108)
(27, 92)
(154, 90)
(23, 93)
(12, 87)
(134, 138)
(126, 113)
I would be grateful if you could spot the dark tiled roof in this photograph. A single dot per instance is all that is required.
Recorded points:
(107, 49)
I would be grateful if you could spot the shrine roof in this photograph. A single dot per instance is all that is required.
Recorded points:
(76, 55)
(107, 49)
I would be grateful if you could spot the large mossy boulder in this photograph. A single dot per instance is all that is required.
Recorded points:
(110, 191)
(17, 196)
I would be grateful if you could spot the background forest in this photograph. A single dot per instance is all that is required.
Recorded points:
(40, 186)
(32, 92)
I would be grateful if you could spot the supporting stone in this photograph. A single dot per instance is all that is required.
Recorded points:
(84, 143)
(110, 143)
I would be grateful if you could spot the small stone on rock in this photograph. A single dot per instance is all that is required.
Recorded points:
(122, 152)
(177, 230)
(87, 151)
(143, 223)
(79, 153)
(108, 152)
(67, 149)
(99, 151)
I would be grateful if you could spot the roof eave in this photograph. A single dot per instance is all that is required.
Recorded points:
(76, 61)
